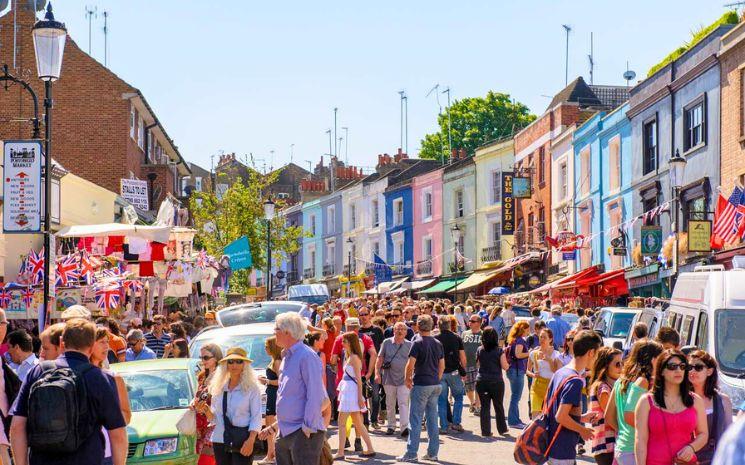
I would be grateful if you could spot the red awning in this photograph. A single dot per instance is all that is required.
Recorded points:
(573, 280)
(565, 280)
(610, 283)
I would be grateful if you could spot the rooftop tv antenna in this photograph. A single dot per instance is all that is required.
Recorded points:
(450, 138)
(628, 75)
(346, 144)
(436, 90)
(90, 13)
(404, 121)
(567, 28)
(292, 152)
(734, 5)
(105, 38)
(592, 61)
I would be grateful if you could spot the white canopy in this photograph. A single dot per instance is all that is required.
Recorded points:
(150, 233)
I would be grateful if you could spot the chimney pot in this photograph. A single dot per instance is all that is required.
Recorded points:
(462, 154)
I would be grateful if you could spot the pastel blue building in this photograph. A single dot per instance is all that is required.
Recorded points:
(313, 242)
(293, 264)
(331, 227)
(587, 188)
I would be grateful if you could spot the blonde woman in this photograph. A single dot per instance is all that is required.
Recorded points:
(271, 381)
(210, 354)
(236, 397)
(517, 356)
(543, 361)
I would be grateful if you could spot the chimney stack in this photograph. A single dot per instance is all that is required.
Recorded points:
(462, 154)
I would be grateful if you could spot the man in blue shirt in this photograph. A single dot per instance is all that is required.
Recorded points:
(136, 348)
(558, 327)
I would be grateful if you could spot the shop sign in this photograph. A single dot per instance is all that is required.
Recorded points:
(534, 281)
(569, 256)
(651, 240)
(644, 280)
(508, 204)
(239, 253)
(135, 192)
(280, 274)
(22, 187)
(699, 235)
(619, 251)
(521, 187)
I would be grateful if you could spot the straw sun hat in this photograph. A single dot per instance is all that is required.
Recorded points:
(236, 353)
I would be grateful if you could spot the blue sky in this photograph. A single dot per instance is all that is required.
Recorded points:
(254, 77)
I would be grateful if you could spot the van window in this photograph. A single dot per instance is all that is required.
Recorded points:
(603, 322)
(730, 341)
(703, 331)
(686, 324)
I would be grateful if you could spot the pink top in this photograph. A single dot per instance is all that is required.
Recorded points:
(668, 433)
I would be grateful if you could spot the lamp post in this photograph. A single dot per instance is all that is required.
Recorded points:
(678, 167)
(268, 216)
(349, 266)
(455, 231)
(49, 45)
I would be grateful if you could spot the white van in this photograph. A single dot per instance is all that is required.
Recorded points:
(707, 308)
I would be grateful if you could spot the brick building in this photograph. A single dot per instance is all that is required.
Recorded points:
(103, 130)
(732, 76)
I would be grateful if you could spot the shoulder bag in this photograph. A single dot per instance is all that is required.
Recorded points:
(233, 436)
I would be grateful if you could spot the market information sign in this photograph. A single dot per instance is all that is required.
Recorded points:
(569, 256)
(239, 253)
(134, 191)
(651, 240)
(22, 162)
(521, 187)
(508, 204)
(699, 235)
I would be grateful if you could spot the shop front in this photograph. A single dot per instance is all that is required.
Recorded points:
(648, 281)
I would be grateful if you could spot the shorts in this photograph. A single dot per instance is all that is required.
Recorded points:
(471, 373)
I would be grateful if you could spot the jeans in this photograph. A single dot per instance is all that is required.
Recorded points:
(423, 403)
(453, 383)
(517, 381)
(491, 392)
(296, 449)
(392, 394)
(374, 401)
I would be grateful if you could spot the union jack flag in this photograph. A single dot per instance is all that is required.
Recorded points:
(67, 270)
(108, 298)
(88, 266)
(134, 284)
(729, 218)
(4, 297)
(35, 266)
(28, 296)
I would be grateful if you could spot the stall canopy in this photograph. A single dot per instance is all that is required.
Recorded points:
(386, 287)
(443, 286)
(150, 233)
(610, 283)
(478, 277)
(565, 281)
(416, 285)
(512, 263)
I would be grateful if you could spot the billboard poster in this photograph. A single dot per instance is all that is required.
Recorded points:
(22, 187)
(508, 204)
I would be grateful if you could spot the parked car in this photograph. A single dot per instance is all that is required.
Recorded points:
(614, 324)
(160, 391)
(256, 312)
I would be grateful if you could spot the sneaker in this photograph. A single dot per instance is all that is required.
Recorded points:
(389, 432)
(405, 433)
(407, 459)
(430, 458)
(358, 445)
(383, 415)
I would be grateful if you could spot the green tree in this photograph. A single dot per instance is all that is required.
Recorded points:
(475, 121)
(238, 211)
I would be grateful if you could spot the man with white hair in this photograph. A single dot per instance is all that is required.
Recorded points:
(390, 371)
(301, 396)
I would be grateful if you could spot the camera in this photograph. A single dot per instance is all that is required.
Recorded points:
(386, 366)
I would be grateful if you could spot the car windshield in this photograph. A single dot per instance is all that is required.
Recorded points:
(730, 341)
(245, 314)
(620, 324)
(523, 312)
(158, 390)
(252, 343)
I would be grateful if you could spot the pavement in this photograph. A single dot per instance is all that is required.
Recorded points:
(455, 449)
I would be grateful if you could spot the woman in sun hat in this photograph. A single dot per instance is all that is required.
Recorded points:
(235, 392)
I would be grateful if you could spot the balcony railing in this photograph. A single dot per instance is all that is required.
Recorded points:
(309, 273)
(491, 254)
(328, 270)
(424, 267)
(293, 277)
(354, 269)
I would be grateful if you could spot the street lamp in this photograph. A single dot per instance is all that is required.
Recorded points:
(49, 45)
(455, 231)
(678, 168)
(349, 266)
(269, 216)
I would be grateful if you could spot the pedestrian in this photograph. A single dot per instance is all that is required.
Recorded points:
(491, 361)
(508, 314)
(668, 337)
(209, 354)
(462, 317)
(157, 339)
(543, 362)
(638, 332)
(301, 398)
(567, 348)
(670, 419)
(424, 369)
(731, 450)
(390, 372)
(605, 372)
(535, 317)
(451, 381)
(136, 348)
(704, 378)
(517, 357)
(398, 315)
(497, 322)
(21, 352)
(51, 338)
(178, 348)
(566, 421)
(376, 334)
(471, 343)
(534, 338)
(34, 437)
(235, 409)
(351, 398)
(634, 382)
(271, 381)
(10, 384)
(558, 326)
(117, 344)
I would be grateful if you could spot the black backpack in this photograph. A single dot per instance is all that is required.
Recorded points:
(59, 416)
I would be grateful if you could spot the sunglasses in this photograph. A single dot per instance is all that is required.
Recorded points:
(569, 339)
(363, 314)
(206, 357)
(235, 362)
(672, 366)
(698, 367)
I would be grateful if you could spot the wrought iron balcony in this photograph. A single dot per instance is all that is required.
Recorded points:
(328, 270)
(424, 267)
(491, 254)
(309, 273)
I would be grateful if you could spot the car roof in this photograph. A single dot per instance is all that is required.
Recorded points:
(237, 330)
(622, 309)
(154, 365)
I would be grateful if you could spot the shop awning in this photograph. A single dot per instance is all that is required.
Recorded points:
(478, 277)
(150, 233)
(573, 280)
(421, 284)
(442, 287)
(512, 263)
(386, 287)
(612, 282)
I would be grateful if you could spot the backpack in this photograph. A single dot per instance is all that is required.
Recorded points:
(59, 416)
(532, 444)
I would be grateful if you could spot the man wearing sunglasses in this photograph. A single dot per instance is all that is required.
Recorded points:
(398, 316)
(136, 348)
(471, 343)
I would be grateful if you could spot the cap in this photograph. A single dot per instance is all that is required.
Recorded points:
(76, 311)
(236, 353)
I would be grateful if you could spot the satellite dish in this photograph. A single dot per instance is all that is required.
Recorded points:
(629, 75)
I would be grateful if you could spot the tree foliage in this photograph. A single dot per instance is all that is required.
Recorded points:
(221, 218)
(476, 121)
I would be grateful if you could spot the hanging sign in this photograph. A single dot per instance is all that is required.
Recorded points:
(651, 240)
(508, 204)
(135, 192)
(239, 252)
(699, 235)
(521, 188)
(569, 256)
(22, 162)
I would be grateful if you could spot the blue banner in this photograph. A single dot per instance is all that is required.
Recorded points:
(383, 272)
(239, 253)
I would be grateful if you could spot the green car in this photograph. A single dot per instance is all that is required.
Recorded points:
(160, 391)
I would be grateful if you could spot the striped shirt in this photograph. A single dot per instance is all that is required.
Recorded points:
(157, 345)
(604, 439)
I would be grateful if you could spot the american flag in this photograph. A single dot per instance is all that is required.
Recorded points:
(729, 216)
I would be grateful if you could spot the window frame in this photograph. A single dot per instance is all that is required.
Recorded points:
(460, 203)
(375, 218)
(585, 160)
(541, 166)
(614, 163)
(496, 187)
(427, 205)
(646, 169)
(687, 109)
(563, 179)
(398, 221)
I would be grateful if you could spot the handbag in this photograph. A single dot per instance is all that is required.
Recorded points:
(233, 436)
(187, 424)
(676, 460)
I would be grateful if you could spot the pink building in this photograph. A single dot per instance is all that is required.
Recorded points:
(427, 199)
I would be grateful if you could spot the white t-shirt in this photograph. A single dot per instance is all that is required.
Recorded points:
(543, 367)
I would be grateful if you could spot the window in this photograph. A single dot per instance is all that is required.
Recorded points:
(132, 121)
(541, 164)
(313, 261)
(398, 212)
(427, 248)
(695, 123)
(461, 244)
(140, 133)
(376, 249)
(496, 187)
(614, 164)
(585, 254)
(742, 102)
(694, 209)
(541, 230)
(353, 216)
(312, 225)
(198, 183)
(531, 228)
(563, 191)
(459, 209)
(703, 331)
(184, 184)
(586, 179)
(496, 231)
(650, 145)
(331, 219)
(375, 214)
(427, 206)
(649, 204)
(614, 215)
(398, 251)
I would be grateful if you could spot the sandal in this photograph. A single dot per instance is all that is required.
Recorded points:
(338, 457)
(368, 454)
